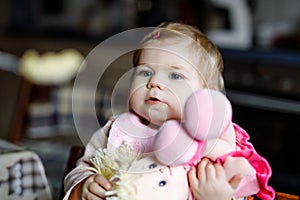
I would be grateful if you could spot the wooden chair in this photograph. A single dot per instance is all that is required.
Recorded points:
(285, 196)
(77, 151)
(279, 196)
(15, 93)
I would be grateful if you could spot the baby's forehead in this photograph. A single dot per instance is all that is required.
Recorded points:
(163, 56)
(184, 47)
(173, 56)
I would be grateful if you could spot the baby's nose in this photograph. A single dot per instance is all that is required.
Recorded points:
(156, 81)
(153, 84)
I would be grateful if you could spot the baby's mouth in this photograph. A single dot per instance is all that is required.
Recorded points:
(153, 100)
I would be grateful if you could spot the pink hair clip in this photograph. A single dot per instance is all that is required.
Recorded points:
(156, 35)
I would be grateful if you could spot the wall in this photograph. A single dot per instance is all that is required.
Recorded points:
(274, 18)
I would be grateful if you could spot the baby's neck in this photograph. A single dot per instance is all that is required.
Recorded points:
(145, 121)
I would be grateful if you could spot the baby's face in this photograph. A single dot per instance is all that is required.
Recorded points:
(162, 82)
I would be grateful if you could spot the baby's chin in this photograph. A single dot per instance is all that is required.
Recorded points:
(160, 121)
(157, 117)
(154, 121)
(157, 122)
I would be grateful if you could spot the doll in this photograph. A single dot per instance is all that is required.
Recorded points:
(139, 178)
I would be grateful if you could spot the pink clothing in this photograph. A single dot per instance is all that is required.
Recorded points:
(128, 128)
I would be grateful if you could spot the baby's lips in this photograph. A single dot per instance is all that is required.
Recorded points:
(153, 99)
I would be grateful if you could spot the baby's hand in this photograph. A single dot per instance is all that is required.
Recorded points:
(94, 187)
(209, 181)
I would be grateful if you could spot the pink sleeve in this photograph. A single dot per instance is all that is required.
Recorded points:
(98, 140)
(117, 137)
(260, 164)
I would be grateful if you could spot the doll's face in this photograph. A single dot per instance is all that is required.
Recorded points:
(161, 84)
(159, 182)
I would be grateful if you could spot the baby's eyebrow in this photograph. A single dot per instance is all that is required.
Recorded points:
(179, 68)
(142, 64)
(176, 67)
(139, 65)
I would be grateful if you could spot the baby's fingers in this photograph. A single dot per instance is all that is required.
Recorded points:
(202, 170)
(95, 187)
(193, 179)
(102, 181)
(96, 190)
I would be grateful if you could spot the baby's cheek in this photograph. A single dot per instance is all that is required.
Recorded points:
(178, 108)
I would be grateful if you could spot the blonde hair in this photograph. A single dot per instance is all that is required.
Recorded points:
(207, 57)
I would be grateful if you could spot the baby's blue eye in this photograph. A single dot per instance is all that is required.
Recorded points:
(176, 76)
(145, 73)
(162, 183)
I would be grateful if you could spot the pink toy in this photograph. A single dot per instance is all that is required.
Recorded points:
(206, 131)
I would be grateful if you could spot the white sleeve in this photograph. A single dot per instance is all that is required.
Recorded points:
(98, 140)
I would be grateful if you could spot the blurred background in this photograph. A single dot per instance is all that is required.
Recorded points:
(259, 41)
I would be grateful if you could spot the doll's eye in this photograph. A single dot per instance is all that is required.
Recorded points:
(152, 166)
(162, 183)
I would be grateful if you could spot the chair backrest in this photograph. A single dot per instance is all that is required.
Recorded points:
(15, 93)
(285, 196)
(75, 153)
